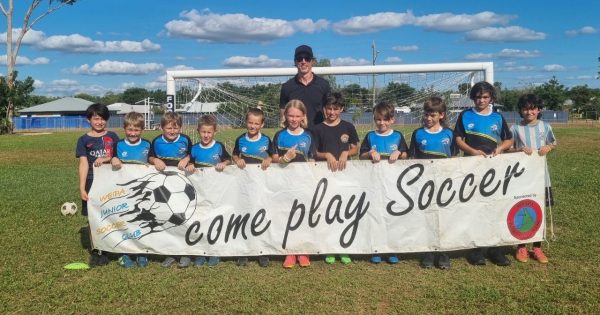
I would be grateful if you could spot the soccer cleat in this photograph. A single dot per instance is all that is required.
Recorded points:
(184, 262)
(475, 257)
(213, 261)
(522, 255)
(199, 261)
(303, 261)
(427, 261)
(126, 262)
(289, 261)
(375, 259)
(345, 259)
(242, 261)
(538, 254)
(168, 262)
(393, 259)
(263, 261)
(497, 257)
(443, 261)
(142, 261)
(330, 259)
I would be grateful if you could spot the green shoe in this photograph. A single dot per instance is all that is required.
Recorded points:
(345, 259)
(330, 259)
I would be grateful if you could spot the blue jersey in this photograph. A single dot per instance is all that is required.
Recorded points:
(425, 144)
(284, 140)
(133, 153)
(210, 155)
(385, 145)
(171, 152)
(482, 132)
(95, 147)
(253, 151)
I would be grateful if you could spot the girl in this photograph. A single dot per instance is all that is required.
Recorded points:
(433, 141)
(336, 141)
(294, 144)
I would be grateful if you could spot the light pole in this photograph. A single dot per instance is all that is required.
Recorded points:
(375, 53)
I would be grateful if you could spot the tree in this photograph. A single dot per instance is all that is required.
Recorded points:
(12, 48)
(20, 95)
(399, 93)
(552, 93)
(133, 95)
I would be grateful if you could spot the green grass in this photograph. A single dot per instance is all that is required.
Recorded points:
(39, 173)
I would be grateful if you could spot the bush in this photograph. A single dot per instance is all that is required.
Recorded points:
(5, 126)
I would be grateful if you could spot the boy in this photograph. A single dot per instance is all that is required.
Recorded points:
(384, 143)
(253, 147)
(481, 131)
(172, 148)
(131, 150)
(529, 135)
(336, 140)
(93, 149)
(433, 141)
(208, 153)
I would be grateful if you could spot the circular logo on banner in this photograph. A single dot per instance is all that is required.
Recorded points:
(524, 219)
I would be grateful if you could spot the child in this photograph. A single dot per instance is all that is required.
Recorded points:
(529, 135)
(433, 141)
(208, 153)
(336, 140)
(172, 148)
(294, 143)
(253, 147)
(384, 143)
(481, 131)
(93, 149)
(131, 150)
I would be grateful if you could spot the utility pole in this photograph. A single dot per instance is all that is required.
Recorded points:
(148, 114)
(374, 56)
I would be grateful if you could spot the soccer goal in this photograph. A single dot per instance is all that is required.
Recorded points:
(228, 93)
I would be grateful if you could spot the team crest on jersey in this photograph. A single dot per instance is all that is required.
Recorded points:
(302, 144)
(394, 147)
(263, 148)
(124, 154)
(244, 149)
(182, 150)
(471, 126)
(494, 127)
(424, 142)
(445, 141)
(344, 138)
(216, 157)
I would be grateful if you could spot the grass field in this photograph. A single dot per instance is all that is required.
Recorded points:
(39, 172)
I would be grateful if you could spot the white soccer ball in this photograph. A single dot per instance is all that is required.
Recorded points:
(68, 208)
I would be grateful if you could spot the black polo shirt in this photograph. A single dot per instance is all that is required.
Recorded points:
(313, 95)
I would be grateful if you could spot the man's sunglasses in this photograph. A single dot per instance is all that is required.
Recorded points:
(305, 58)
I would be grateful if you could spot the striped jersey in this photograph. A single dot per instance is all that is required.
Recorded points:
(534, 136)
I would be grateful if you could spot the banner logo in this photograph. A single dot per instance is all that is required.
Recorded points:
(524, 219)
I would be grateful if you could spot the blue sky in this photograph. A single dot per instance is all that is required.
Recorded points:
(99, 46)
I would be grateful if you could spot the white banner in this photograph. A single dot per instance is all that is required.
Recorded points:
(408, 206)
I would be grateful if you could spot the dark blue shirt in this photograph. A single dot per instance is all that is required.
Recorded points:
(95, 147)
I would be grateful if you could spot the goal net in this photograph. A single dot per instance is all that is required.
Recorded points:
(229, 93)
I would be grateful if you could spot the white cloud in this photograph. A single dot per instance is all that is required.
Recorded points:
(581, 77)
(126, 85)
(586, 30)
(26, 61)
(262, 61)
(110, 67)
(392, 60)
(448, 22)
(349, 61)
(406, 48)
(180, 67)
(237, 28)
(504, 34)
(518, 53)
(64, 82)
(554, 67)
(81, 44)
(514, 67)
(479, 56)
(373, 23)
(31, 37)
(38, 84)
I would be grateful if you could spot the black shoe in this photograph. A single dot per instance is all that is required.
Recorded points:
(98, 260)
(242, 261)
(263, 261)
(443, 261)
(475, 257)
(497, 257)
(427, 261)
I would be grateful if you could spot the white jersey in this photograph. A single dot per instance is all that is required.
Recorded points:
(533, 136)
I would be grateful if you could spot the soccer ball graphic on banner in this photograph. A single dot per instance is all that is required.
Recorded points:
(68, 208)
(162, 201)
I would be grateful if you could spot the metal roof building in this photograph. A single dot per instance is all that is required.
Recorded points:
(68, 106)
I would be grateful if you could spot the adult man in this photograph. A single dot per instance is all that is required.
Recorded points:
(311, 89)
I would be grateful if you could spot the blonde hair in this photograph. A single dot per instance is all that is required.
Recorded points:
(134, 119)
(298, 105)
(171, 117)
(207, 120)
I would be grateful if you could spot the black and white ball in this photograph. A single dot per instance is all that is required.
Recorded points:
(68, 208)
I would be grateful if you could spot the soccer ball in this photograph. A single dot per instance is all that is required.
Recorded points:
(68, 208)
(162, 201)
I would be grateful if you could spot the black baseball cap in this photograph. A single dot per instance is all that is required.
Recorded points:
(303, 51)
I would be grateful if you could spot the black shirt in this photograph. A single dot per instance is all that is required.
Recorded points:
(313, 95)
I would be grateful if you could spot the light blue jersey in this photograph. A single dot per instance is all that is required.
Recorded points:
(210, 155)
(426, 144)
(284, 140)
(384, 144)
(133, 153)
